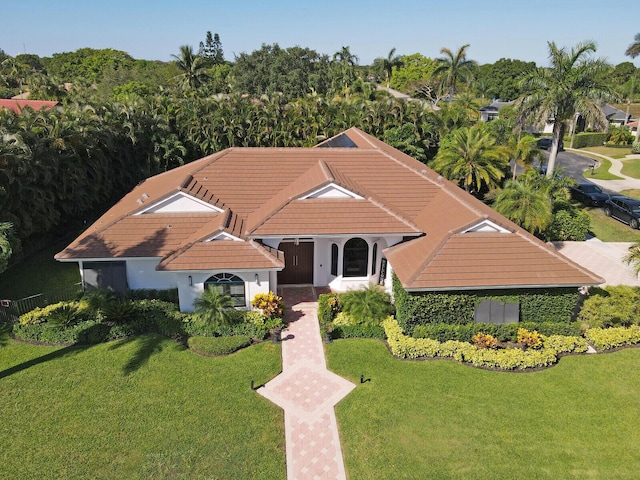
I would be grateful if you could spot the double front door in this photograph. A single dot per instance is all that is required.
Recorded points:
(298, 263)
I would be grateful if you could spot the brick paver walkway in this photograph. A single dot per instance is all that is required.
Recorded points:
(307, 392)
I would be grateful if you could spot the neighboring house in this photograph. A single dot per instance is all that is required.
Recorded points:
(614, 115)
(343, 214)
(16, 105)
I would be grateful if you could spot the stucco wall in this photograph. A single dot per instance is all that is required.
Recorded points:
(141, 273)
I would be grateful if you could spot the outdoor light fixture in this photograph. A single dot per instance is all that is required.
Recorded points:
(190, 281)
(257, 279)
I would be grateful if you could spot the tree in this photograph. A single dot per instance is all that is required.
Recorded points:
(573, 83)
(213, 308)
(521, 202)
(388, 64)
(192, 68)
(454, 68)
(211, 50)
(470, 157)
(632, 258)
(501, 80)
(5, 245)
(345, 57)
(634, 49)
(523, 152)
(416, 69)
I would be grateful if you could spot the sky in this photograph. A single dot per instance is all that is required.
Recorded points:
(154, 30)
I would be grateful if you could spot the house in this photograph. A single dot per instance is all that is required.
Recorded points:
(343, 214)
(16, 105)
(490, 112)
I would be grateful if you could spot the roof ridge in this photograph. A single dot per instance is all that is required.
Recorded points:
(265, 250)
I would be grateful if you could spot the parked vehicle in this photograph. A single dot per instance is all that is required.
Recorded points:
(589, 194)
(544, 143)
(622, 208)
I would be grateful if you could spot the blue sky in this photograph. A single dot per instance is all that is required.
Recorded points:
(155, 29)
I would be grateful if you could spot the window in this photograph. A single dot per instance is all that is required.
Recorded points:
(334, 259)
(230, 284)
(356, 256)
(374, 258)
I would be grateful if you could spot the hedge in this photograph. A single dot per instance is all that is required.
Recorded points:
(328, 307)
(581, 140)
(457, 308)
(218, 345)
(507, 359)
(607, 338)
(358, 331)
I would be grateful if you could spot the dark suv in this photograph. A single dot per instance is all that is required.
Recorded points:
(589, 194)
(625, 209)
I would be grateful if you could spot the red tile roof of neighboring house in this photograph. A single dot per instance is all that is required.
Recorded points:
(17, 105)
(269, 192)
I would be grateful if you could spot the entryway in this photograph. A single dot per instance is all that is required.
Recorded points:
(298, 263)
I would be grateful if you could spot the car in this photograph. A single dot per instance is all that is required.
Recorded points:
(624, 209)
(545, 143)
(589, 194)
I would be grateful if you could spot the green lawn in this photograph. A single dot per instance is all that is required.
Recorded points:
(602, 172)
(610, 230)
(634, 193)
(613, 152)
(37, 274)
(441, 420)
(631, 168)
(144, 408)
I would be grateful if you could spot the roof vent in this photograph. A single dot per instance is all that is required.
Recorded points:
(439, 178)
(145, 196)
(140, 202)
(423, 171)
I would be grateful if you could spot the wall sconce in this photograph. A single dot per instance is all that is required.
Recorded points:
(190, 281)
(257, 279)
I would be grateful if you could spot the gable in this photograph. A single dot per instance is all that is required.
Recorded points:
(486, 226)
(332, 191)
(179, 203)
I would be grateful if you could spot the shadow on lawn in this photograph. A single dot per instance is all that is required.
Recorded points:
(147, 345)
(63, 352)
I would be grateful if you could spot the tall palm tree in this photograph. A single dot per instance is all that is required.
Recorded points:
(345, 57)
(573, 83)
(521, 202)
(389, 63)
(471, 157)
(192, 67)
(454, 68)
(634, 49)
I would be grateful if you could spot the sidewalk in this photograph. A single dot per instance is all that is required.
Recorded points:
(307, 392)
(625, 183)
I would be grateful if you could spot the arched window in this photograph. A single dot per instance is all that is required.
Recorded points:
(228, 283)
(356, 256)
(334, 259)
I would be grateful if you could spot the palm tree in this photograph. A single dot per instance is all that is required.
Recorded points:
(573, 83)
(471, 157)
(521, 202)
(633, 257)
(634, 49)
(345, 57)
(213, 307)
(523, 151)
(192, 67)
(387, 64)
(454, 68)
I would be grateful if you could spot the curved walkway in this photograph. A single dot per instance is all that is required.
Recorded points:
(307, 392)
(625, 182)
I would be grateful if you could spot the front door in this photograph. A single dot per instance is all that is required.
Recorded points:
(298, 263)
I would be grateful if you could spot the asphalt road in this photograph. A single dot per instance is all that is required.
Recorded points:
(573, 165)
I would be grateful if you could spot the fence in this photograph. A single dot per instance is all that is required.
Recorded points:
(15, 308)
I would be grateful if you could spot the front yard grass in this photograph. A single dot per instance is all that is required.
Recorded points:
(438, 419)
(608, 229)
(631, 168)
(613, 152)
(84, 412)
(602, 172)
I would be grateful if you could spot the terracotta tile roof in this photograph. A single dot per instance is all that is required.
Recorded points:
(327, 216)
(224, 254)
(16, 105)
(261, 190)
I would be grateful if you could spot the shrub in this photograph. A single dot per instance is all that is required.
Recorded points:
(358, 331)
(119, 311)
(328, 307)
(269, 304)
(571, 224)
(607, 338)
(482, 340)
(218, 345)
(343, 318)
(502, 332)
(40, 315)
(635, 147)
(562, 344)
(88, 331)
(370, 304)
(531, 339)
(611, 306)
(168, 295)
(581, 140)
(213, 309)
(620, 135)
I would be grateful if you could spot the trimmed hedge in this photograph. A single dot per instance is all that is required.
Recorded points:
(581, 140)
(457, 308)
(507, 359)
(218, 345)
(607, 338)
(358, 331)
(168, 295)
